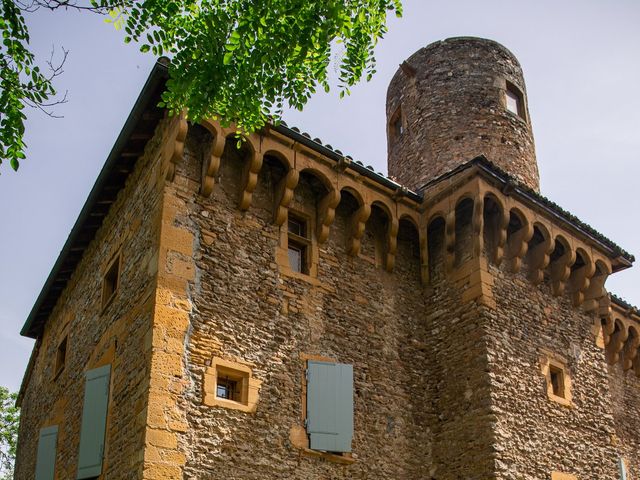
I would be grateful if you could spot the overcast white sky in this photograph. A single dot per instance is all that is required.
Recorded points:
(581, 60)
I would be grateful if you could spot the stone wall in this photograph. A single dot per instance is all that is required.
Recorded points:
(247, 310)
(115, 335)
(536, 435)
(625, 395)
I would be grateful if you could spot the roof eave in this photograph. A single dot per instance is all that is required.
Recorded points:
(158, 74)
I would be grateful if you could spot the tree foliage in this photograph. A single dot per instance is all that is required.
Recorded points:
(9, 421)
(240, 61)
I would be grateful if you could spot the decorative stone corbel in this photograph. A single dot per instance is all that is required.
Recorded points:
(251, 170)
(594, 295)
(560, 271)
(326, 214)
(450, 240)
(357, 226)
(518, 244)
(616, 343)
(608, 326)
(284, 195)
(477, 224)
(211, 164)
(392, 244)
(580, 280)
(501, 238)
(630, 352)
(539, 259)
(174, 144)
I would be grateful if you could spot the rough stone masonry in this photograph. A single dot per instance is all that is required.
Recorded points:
(471, 309)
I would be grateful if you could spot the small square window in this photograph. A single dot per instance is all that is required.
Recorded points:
(230, 385)
(558, 381)
(61, 357)
(111, 281)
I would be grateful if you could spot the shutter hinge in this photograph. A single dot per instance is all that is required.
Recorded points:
(306, 374)
(306, 423)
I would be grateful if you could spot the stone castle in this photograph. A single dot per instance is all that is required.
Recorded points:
(276, 310)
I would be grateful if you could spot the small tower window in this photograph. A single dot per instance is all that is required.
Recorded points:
(515, 100)
(298, 244)
(396, 127)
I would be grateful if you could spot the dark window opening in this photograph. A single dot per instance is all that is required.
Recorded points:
(557, 381)
(111, 281)
(396, 127)
(227, 389)
(61, 357)
(298, 245)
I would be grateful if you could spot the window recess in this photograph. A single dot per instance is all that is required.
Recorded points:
(299, 244)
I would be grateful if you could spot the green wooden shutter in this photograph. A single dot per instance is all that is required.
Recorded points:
(46, 458)
(330, 406)
(94, 421)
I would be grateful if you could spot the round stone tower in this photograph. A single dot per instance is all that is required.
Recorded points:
(452, 101)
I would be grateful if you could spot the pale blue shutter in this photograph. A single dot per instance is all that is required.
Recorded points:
(94, 421)
(329, 406)
(46, 458)
(623, 469)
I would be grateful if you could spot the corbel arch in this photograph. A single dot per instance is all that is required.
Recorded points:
(211, 162)
(356, 223)
(539, 251)
(495, 223)
(391, 235)
(560, 261)
(326, 205)
(596, 291)
(630, 349)
(173, 149)
(284, 191)
(582, 270)
(519, 232)
(617, 341)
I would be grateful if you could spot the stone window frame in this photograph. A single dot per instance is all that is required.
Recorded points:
(549, 363)
(115, 263)
(312, 254)
(518, 94)
(302, 242)
(396, 120)
(298, 434)
(60, 361)
(242, 374)
(562, 476)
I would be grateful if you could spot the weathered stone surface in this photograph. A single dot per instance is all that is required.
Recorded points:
(453, 108)
(450, 311)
